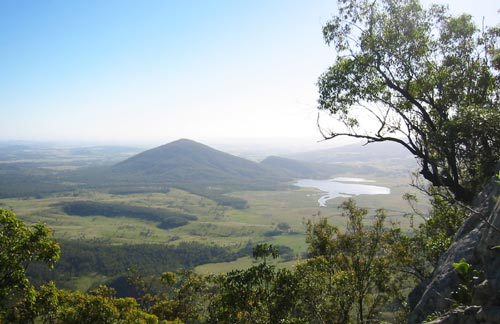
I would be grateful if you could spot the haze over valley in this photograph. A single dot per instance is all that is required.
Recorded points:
(185, 191)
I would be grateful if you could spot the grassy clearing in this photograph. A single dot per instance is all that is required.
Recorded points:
(224, 267)
(241, 263)
(87, 282)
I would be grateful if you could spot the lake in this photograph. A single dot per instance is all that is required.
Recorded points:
(342, 187)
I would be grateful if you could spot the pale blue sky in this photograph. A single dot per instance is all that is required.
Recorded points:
(154, 71)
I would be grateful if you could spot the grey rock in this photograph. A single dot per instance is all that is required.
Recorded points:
(471, 315)
(482, 293)
(488, 314)
(476, 242)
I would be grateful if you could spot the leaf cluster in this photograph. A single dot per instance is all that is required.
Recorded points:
(468, 278)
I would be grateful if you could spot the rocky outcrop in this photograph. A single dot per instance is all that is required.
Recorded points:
(477, 242)
(470, 315)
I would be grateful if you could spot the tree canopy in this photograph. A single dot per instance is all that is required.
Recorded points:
(19, 246)
(419, 77)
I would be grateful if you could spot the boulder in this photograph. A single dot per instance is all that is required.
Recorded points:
(478, 242)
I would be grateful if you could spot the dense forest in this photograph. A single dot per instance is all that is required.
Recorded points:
(80, 257)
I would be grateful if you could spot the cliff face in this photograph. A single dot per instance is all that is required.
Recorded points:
(477, 242)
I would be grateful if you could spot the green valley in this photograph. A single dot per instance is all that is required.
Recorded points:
(153, 201)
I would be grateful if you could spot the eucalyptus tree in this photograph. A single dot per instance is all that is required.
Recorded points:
(419, 77)
(357, 269)
(20, 245)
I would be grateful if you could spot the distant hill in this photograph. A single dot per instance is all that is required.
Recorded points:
(297, 169)
(355, 153)
(383, 158)
(188, 163)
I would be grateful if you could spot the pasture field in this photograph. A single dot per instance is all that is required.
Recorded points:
(215, 224)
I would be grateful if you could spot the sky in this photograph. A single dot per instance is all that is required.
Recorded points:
(152, 71)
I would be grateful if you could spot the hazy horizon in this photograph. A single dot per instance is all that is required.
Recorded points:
(256, 149)
(153, 72)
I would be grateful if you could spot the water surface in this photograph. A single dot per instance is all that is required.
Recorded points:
(342, 187)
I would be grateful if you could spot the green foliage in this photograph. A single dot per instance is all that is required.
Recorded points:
(434, 316)
(54, 306)
(319, 237)
(438, 230)
(264, 250)
(365, 254)
(430, 239)
(468, 278)
(172, 297)
(325, 293)
(21, 245)
(428, 78)
(260, 294)
(349, 277)
(167, 218)
(244, 296)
